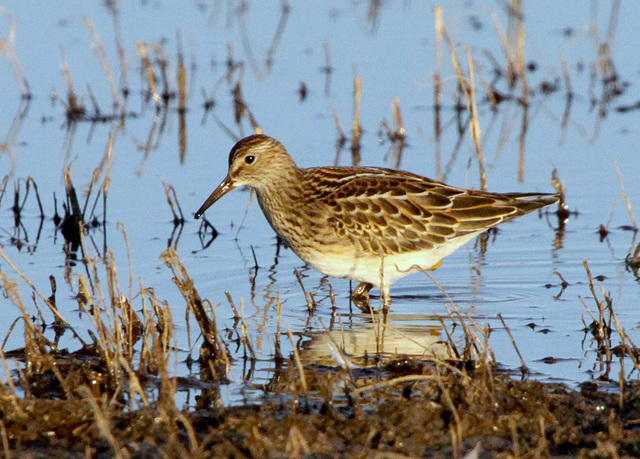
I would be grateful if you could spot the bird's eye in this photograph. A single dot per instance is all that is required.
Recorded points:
(249, 159)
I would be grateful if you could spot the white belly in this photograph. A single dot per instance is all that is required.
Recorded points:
(376, 270)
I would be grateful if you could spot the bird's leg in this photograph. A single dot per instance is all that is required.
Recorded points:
(386, 298)
(360, 296)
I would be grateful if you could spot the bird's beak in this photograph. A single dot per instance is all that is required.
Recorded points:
(222, 189)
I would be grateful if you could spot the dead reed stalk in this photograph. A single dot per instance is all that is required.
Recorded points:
(468, 89)
(523, 366)
(437, 91)
(311, 302)
(357, 128)
(602, 324)
(244, 339)
(299, 366)
(474, 122)
(75, 110)
(277, 352)
(7, 48)
(397, 135)
(327, 69)
(148, 68)
(24, 278)
(341, 140)
(626, 199)
(213, 353)
(174, 203)
(101, 53)
(182, 106)
(18, 202)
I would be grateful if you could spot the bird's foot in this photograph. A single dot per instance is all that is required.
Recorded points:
(436, 266)
(360, 297)
(362, 300)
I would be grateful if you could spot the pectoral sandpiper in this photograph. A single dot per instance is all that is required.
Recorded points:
(368, 224)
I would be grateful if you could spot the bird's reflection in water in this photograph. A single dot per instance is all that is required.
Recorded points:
(360, 342)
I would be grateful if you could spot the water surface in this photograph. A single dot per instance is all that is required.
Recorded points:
(270, 55)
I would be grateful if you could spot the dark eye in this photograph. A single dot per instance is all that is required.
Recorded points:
(249, 159)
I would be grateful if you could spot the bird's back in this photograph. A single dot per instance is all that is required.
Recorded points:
(384, 211)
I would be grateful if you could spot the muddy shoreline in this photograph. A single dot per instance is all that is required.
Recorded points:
(441, 415)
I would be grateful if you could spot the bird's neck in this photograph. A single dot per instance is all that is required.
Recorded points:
(281, 199)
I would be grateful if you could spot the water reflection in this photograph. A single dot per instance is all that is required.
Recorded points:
(370, 343)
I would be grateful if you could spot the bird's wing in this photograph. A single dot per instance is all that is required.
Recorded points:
(392, 212)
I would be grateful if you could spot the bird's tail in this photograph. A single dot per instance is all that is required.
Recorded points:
(528, 202)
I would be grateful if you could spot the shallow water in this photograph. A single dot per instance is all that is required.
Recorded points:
(394, 55)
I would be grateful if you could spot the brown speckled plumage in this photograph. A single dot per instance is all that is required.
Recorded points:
(352, 221)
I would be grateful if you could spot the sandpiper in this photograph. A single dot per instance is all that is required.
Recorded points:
(368, 224)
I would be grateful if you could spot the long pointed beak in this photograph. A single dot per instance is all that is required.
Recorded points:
(226, 186)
